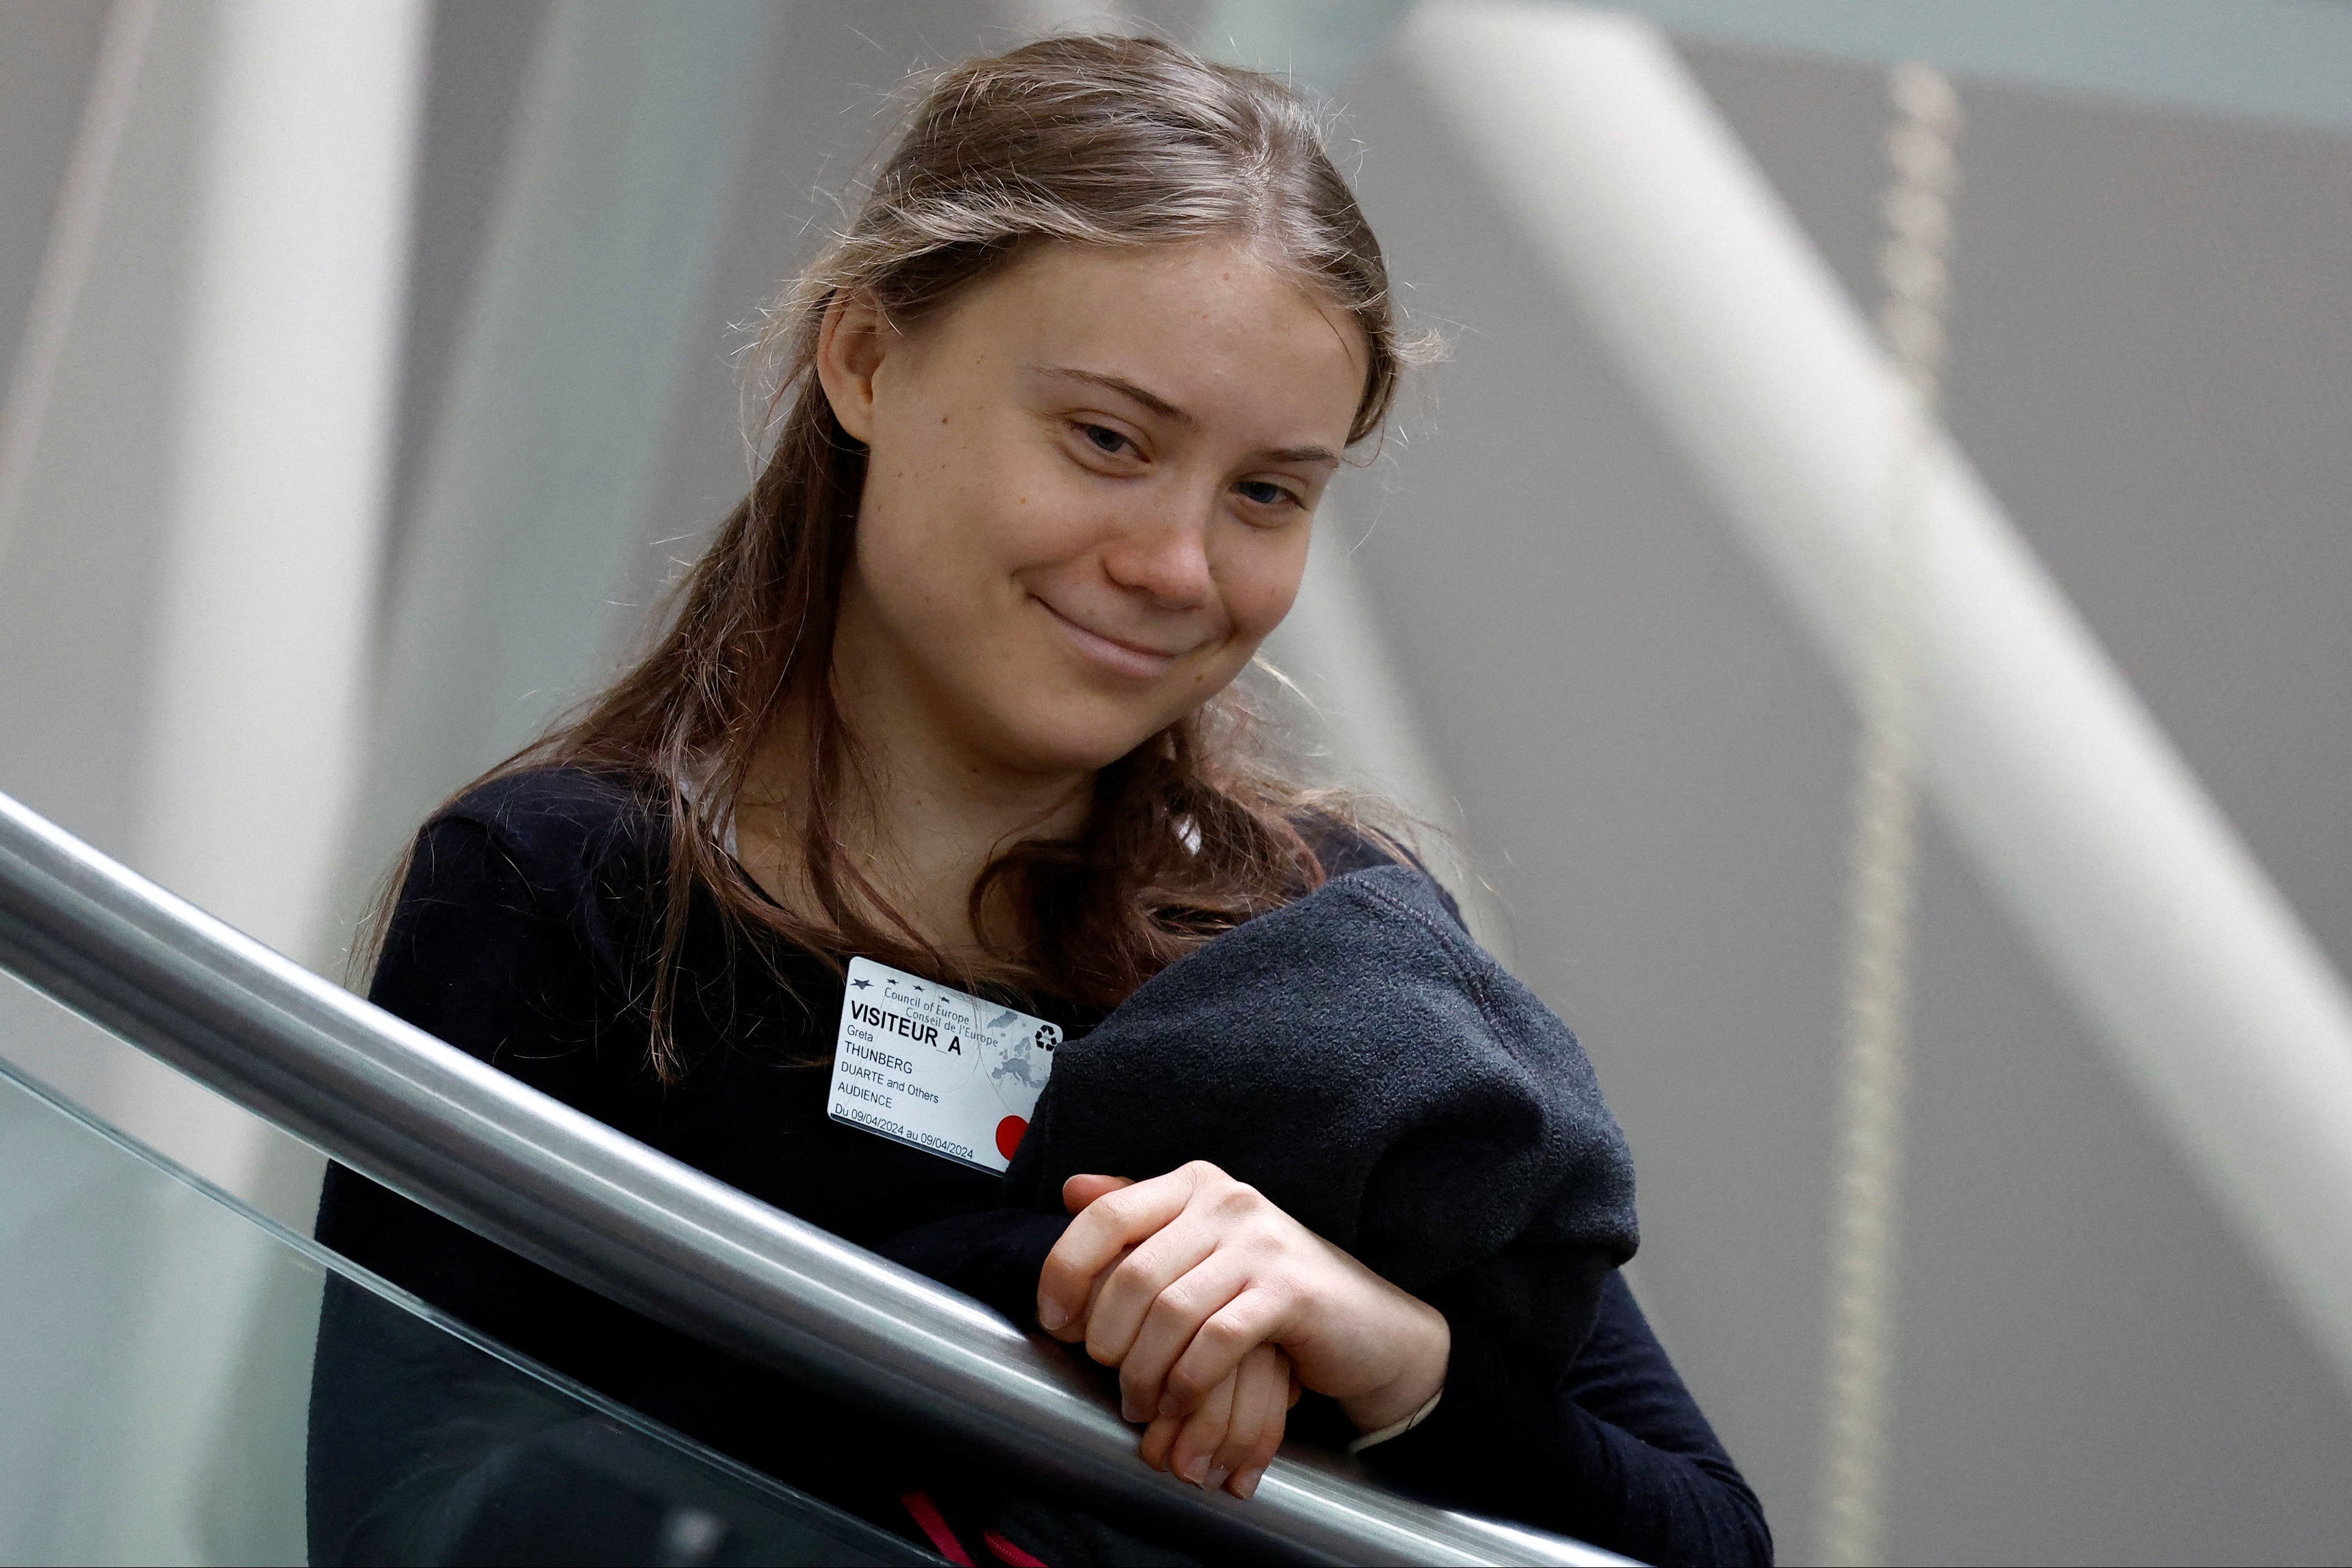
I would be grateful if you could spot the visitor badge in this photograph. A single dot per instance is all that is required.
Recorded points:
(936, 1067)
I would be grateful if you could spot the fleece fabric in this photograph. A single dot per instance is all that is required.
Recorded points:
(1356, 1058)
(523, 936)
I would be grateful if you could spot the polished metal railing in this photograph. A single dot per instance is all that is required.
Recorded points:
(569, 1192)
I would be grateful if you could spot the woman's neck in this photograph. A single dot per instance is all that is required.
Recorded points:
(919, 819)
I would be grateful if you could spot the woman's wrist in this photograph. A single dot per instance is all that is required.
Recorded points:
(1423, 1377)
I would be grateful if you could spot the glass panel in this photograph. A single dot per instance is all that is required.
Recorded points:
(156, 1344)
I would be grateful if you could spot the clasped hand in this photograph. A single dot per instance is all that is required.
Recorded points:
(1218, 1309)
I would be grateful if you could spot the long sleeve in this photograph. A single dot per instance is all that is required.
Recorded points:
(995, 1255)
(470, 959)
(1619, 1457)
(408, 1425)
(498, 947)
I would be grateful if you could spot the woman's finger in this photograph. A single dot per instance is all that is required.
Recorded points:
(1253, 1431)
(1258, 1315)
(1166, 1328)
(1158, 1438)
(1134, 1289)
(1110, 1224)
(1200, 1435)
(1075, 1329)
(1082, 1190)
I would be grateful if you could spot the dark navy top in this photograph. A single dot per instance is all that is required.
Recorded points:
(524, 935)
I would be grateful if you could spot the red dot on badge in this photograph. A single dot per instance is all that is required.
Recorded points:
(1008, 1135)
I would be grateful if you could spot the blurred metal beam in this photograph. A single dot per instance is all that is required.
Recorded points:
(282, 455)
(538, 476)
(65, 257)
(2150, 914)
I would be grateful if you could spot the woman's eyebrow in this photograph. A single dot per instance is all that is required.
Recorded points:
(1169, 410)
(1121, 384)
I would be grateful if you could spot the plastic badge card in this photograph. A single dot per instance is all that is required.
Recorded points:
(937, 1068)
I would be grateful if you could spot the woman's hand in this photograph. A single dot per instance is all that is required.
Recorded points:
(1178, 1279)
(1230, 1438)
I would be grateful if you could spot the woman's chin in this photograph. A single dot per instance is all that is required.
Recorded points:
(1070, 757)
(1054, 745)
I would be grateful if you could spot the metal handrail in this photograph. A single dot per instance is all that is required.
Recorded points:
(566, 1191)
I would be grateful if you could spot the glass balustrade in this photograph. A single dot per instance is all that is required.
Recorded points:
(156, 1347)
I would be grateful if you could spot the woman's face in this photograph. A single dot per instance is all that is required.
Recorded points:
(1087, 496)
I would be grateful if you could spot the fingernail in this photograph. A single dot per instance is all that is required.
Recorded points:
(1193, 1470)
(1215, 1479)
(1167, 1406)
(1132, 1412)
(1245, 1484)
(1052, 1315)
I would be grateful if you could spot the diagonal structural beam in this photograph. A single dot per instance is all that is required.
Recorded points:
(2087, 825)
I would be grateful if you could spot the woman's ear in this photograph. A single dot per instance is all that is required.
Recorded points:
(849, 350)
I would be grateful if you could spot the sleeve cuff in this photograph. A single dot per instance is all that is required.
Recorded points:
(1398, 1428)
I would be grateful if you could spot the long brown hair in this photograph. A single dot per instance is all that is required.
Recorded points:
(1087, 140)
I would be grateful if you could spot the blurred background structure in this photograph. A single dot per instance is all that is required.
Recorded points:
(369, 373)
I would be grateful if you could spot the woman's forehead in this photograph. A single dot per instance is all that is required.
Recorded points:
(1212, 318)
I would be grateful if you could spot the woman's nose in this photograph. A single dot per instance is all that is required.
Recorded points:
(1163, 558)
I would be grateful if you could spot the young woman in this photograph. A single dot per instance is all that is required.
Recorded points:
(952, 690)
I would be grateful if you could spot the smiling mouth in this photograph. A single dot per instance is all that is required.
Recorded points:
(1127, 659)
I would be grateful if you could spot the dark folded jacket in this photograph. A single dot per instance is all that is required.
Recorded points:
(1361, 1061)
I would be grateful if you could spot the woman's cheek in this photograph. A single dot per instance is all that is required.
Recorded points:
(1260, 584)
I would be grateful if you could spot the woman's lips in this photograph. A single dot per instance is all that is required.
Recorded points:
(1123, 658)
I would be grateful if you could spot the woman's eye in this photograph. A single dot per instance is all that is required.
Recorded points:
(1106, 439)
(1265, 492)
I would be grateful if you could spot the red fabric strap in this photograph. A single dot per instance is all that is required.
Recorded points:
(934, 1524)
(1005, 1552)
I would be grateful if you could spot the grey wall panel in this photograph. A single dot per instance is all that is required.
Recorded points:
(2147, 365)
(2154, 354)
(2152, 363)
(2092, 1369)
(2153, 366)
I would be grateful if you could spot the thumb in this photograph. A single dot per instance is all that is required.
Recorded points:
(1081, 1190)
